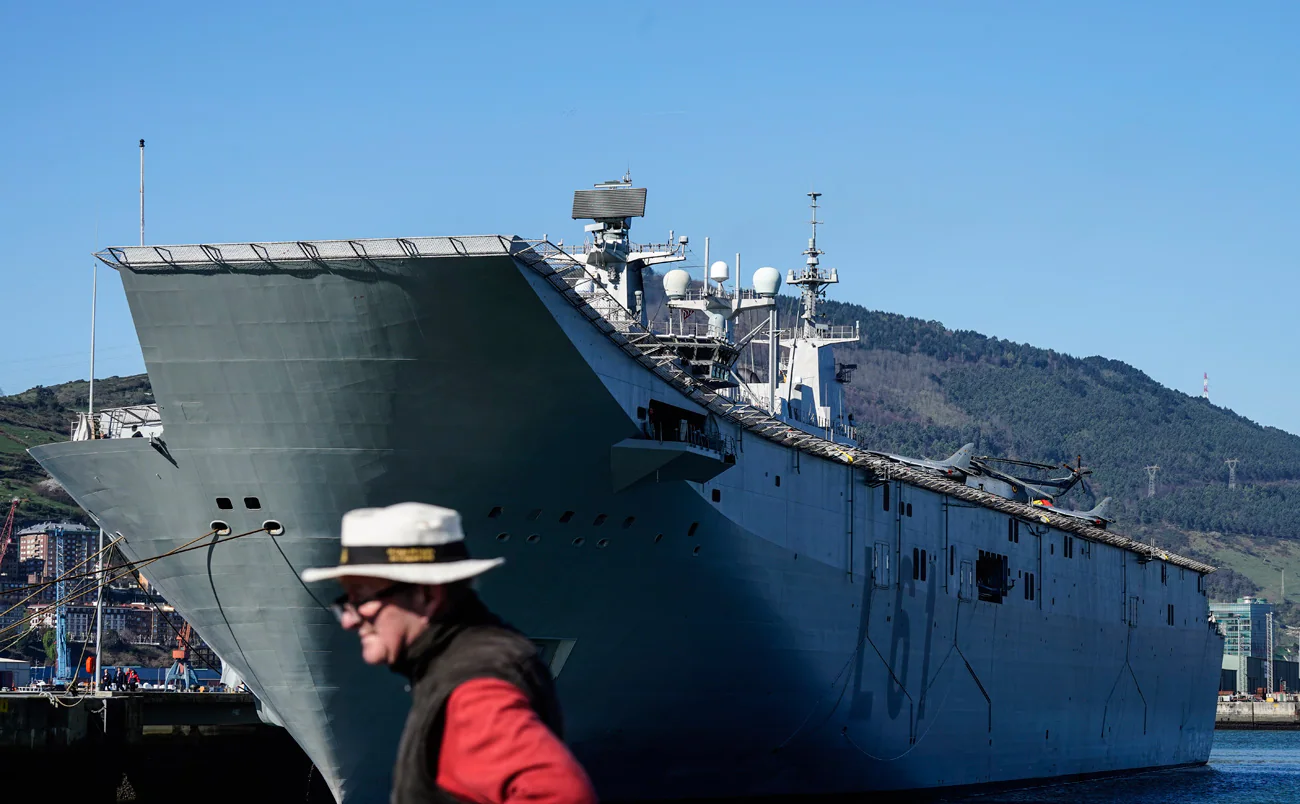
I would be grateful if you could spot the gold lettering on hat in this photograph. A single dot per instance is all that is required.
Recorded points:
(343, 559)
(410, 555)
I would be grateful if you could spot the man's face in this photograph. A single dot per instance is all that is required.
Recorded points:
(386, 624)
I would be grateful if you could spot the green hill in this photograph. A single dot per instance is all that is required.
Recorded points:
(922, 389)
(44, 414)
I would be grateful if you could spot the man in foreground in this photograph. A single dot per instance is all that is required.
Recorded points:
(485, 724)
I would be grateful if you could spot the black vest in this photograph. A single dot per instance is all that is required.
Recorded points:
(467, 642)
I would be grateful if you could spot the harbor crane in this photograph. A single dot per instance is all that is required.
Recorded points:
(7, 532)
(181, 671)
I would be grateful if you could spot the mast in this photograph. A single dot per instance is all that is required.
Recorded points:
(90, 409)
(812, 281)
(809, 390)
(94, 299)
(142, 192)
(773, 357)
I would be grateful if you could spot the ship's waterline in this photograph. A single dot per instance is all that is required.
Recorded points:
(759, 619)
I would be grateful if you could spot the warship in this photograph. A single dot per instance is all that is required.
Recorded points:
(735, 597)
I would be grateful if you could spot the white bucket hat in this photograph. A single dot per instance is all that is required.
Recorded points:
(408, 543)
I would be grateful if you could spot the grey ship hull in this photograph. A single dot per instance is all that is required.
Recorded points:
(779, 640)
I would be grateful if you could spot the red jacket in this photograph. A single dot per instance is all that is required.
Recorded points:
(495, 750)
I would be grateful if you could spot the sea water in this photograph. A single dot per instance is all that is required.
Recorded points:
(1246, 767)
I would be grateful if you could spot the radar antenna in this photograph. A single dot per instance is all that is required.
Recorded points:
(813, 280)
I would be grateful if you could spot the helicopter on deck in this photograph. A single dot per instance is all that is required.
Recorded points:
(1039, 492)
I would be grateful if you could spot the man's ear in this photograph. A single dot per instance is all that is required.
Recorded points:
(430, 599)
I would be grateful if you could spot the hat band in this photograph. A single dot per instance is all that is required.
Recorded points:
(407, 554)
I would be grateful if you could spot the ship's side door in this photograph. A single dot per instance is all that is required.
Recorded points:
(880, 569)
(966, 582)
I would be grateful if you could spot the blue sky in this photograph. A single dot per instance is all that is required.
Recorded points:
(1098, 178)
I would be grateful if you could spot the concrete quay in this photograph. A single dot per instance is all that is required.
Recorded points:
(150, 746)
(1257, 715)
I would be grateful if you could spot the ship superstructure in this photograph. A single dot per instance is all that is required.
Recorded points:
(735, 598)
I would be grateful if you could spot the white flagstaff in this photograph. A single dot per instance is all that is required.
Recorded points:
(142, 192)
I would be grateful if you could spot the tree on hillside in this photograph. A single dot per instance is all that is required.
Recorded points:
(49, 642)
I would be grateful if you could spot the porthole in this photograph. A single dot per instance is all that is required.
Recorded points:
(534, 514)
(565, 517)
(659, 537)
(627, 523)
(224, 503)
(694, 527)
(495, 513)
(252, 503)
(599, 520)
(578, 541)
(533, 538)
(219, 527)
(503, 537)
(273, 527)
(696, 551)
(603, 543)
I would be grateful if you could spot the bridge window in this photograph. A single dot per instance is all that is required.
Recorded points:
(224, 503)
(778, 481)
(252, 503)
(671, 423)
(909, 509)
(717, 495)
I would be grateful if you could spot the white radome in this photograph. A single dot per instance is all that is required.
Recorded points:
(718, 272)
(675, 283)
(767, 281)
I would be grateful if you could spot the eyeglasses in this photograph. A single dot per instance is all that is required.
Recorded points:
(346, 605)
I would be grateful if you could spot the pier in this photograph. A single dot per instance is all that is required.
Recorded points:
(1265, 714)
(138, 746)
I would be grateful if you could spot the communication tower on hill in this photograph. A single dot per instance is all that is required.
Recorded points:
(1232, 472)
(1151, 480)
(1205, 385)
